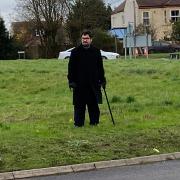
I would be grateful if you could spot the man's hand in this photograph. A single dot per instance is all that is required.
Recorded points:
(103, 85)
(72, 85)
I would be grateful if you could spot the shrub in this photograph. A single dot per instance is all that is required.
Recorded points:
(116, 99)
(105, 41)
(130, 99)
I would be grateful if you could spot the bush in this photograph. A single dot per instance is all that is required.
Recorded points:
(116, 99)
(105, 41)
(130, 99)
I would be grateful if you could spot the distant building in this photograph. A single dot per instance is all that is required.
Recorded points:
(159, 14)
(32, 40)
(24, 33)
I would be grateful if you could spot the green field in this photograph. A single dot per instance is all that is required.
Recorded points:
(36, 112)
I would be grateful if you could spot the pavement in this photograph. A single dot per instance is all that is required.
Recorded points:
(60, 170)
(164, 170)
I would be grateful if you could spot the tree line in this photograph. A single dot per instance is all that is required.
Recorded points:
(59, 24)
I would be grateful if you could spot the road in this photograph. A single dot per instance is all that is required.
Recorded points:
(168, 170)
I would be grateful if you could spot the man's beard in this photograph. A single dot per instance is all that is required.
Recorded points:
(86, 46)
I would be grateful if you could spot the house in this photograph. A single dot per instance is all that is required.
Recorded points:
(33, 40)
(25, 34)
(159, 14)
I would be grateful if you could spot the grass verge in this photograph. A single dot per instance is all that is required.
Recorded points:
(36, 127)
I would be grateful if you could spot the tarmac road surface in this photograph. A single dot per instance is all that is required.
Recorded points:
(166, 170)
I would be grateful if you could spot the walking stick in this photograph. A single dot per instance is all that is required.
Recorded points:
(109, 107)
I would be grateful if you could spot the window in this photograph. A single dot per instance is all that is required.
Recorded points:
(175, 15)
(113, 21)
(39, 32)
(146, 19)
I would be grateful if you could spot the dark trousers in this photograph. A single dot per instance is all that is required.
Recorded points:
(79, 113)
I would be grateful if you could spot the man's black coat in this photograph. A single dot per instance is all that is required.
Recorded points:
(85, 69)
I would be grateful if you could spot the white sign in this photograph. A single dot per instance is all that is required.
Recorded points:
(137, 41)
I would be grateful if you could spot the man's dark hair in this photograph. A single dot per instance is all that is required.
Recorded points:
(87, 32)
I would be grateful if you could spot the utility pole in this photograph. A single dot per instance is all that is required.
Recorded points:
(147, 54)
(130, 35)
(125, 46)
(115, 41)
(134, 34)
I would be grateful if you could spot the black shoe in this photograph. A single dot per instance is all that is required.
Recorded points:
(77, 126)
(94, 124)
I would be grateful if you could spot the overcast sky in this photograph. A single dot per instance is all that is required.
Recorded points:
(8, 13)
(7, 10)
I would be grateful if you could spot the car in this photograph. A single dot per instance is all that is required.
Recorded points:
(109, 55)
(105, 54)
(163, 47)
(65, 54)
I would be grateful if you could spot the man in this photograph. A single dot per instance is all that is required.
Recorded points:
(86, 76)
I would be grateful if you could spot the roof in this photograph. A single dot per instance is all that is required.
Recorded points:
(149, 4)
(157, 3)
(120, 8)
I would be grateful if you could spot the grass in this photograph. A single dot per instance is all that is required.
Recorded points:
(36, 112)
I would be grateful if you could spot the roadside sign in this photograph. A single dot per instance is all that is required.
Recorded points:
(137, 41)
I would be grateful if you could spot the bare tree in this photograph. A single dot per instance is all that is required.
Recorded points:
(141, 30)
(46, 17)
